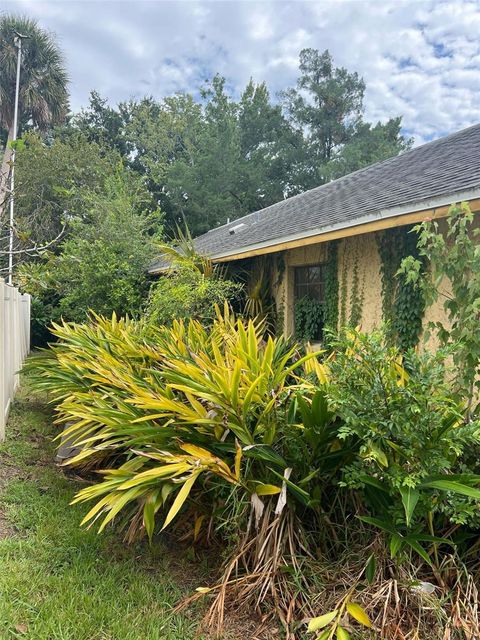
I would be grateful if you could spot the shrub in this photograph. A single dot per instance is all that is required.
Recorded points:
(191, 285)
(222, 388)
(186, 292)
(188, 416)
(453, 276)
(101, 264)
(227, 432)
(411, 435)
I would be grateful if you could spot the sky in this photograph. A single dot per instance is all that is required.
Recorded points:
(420, 59)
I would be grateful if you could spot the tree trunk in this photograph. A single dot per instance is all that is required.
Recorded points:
(5, 173)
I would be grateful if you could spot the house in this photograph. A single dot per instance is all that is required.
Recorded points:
(340, 244)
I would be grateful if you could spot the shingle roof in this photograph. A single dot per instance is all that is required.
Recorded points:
(443, 167)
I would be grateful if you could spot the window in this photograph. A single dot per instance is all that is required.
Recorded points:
(309, 301)
(310, 282)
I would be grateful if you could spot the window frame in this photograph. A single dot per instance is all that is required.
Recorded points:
(309, 283)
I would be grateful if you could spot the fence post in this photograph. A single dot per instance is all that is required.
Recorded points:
(25, 317)
(16, 335)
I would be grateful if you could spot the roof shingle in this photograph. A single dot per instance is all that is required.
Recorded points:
(443, 167)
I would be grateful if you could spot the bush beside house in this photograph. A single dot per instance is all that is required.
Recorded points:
(295, 464)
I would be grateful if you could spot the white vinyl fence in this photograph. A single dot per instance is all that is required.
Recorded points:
(14, 344)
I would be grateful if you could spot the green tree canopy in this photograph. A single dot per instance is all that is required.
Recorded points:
(217, 157)
(43, 98)
(52, 179)
(327, 107)
(102, 263)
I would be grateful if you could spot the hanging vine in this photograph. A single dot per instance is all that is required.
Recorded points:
(357, 293)
(389, 247)
(343, 289)
(309, 319)
(403, 304)
(330, 313)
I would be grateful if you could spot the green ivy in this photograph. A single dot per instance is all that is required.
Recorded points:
(281, 268)
(389, 244)
(356, 296)
(330, 314)
(452, 254)
(408, 314)
(309, 319)
(403, 304)
(343, 291)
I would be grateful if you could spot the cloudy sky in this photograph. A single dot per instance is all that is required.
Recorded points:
(420, 59)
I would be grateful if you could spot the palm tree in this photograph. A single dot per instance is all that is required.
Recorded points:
(43, 99)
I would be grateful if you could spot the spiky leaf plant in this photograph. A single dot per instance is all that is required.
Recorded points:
(217, 424)
(176, 404)
(222, 430)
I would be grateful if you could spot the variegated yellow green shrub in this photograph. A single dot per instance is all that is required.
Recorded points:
(171, 410)
(177, 409)
(277, 451)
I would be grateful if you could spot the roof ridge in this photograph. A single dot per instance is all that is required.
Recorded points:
(385, 161)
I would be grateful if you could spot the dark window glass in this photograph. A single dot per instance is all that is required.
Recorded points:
(310, 283)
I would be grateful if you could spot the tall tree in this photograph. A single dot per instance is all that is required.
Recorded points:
(43, 98)
(327, 106)
(204, 185)
(161, 134)
(269, 146)
(206, 161)
(369, 144)
(240, 159)
(51, 179)
(102, 124)
(102, 261)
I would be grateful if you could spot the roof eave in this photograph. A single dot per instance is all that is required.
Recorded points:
(396, 216)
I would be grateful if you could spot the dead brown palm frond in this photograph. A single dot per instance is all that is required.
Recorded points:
(412, 606)
(464, 615)
(257, 577)
(272, 580)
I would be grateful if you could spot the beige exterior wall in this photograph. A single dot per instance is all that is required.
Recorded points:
(361, 250)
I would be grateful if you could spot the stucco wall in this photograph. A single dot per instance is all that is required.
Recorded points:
(361, 250)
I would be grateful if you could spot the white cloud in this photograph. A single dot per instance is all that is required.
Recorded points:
(420, 59)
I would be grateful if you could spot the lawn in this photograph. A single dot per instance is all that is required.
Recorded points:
(61, 582)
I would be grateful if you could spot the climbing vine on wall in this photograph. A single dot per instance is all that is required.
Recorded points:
(309, 315)
(343, 290)
(403, 304)
(357, 293)
(330, 312)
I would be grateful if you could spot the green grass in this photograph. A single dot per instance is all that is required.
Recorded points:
(61, 582)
